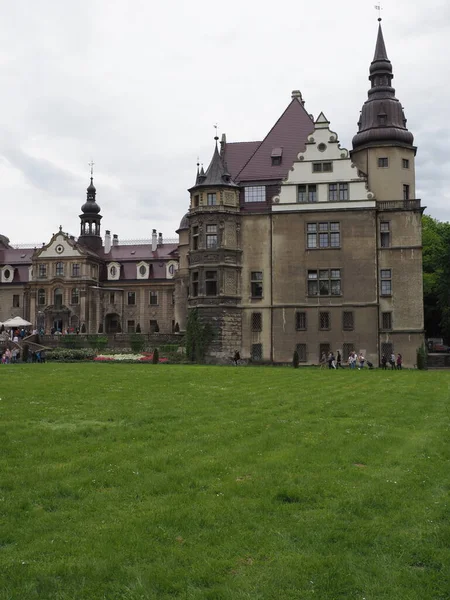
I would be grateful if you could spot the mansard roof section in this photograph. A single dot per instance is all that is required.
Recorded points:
(137, 252)
(290, 133)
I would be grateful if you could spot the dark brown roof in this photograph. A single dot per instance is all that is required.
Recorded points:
(237, 155)
(16, 256)
(382, 120)
(290, 134)
(216, 174)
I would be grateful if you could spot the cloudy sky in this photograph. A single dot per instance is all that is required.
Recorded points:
(138, 86)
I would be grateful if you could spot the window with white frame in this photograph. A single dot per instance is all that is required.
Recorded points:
(337, 192)
(255, 193)
(256, 283)
(211, 199)
(307, 193)
(211, 236)
(322, 167)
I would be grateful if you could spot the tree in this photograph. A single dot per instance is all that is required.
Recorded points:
(198, 337)
(138, 328)
(155, 359)
(83, 328)
(436, 277)
(295, 359)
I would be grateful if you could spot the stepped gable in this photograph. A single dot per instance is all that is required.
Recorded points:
(289, 134)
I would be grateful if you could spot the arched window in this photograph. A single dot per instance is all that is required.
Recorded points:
(58, 297)
(75, 296)
(59, 269)
(41, 297)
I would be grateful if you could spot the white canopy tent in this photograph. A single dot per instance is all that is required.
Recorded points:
(16, 322)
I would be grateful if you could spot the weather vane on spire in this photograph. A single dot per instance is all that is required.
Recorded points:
(215, 127)
(91, 164)
(379, 8)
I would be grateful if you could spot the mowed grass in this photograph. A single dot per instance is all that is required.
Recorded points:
(158, 481)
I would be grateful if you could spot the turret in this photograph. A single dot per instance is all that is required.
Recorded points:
(90, 219)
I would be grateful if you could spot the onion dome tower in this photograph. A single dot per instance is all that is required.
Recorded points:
(214, 255)
(90, 219)
(383, 148)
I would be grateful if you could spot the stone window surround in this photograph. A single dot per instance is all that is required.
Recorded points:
(6, 269)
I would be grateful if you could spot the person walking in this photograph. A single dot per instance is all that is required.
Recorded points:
(384, 362)
(392, 361)
(399, 361)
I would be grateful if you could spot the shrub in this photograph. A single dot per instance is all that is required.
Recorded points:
(295, 359)
(176, 328)
(137, 342)
(69, 355)
(138, 328)
(155, 358)
(99, 342)
(71, 341)
(169, 348)
(422, 358)
(83, 328)
(198, 337)
(100, 328)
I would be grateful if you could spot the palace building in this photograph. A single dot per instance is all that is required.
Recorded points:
(290, 243)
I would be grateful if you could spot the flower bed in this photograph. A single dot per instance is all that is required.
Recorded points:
(143, 357)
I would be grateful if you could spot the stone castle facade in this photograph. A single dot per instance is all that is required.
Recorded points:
(290, 243)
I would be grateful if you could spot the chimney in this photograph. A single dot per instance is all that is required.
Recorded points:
(115, 239)
(297, 94)
(107, 243)
(154, 240)
(160, 239)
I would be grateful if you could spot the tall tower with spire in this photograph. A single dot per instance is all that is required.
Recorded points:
(214, 255)
(384, 152)
(383, 148)
(90, 219)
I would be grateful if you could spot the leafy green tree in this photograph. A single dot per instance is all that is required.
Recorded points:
(198, 337)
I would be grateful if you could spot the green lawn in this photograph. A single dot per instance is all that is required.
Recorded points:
(158, 481)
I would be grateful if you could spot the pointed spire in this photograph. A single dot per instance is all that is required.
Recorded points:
(382, 118)
(380, 48)
(217, 172)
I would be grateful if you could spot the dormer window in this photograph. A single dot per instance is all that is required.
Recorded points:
(7, 274)
(142, 270)
(113, 271)
(276, 156)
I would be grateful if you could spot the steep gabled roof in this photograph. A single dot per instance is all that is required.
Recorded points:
(289, 133)
(237, 154)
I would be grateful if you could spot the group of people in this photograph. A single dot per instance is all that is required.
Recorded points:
(395, 362)
(10, 356)
(356, 361)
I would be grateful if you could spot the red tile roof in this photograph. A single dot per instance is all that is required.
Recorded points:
(290, 133)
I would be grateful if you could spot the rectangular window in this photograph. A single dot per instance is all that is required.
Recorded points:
(16, 301)
(324, 349)
(405, 163)
(324, 321)
(131, 298)
(130, 326)
(42, 271)
(326, 235)
(211, 199)
(154, 327)
(211, 283)
(196, 201)
(302, 353)
(256, 321)
(387, 349)
(386, 282)
(386, 320)
(112, 297)
(347, 349)
(211, 236)
(385, 234)
(256, 281)
(406, 192)
(75, 296)
(276, 161)
(195, 238)
(300, 321)
(195, 280)
(322, 167)
(75, 270)
(257, 352)
(348, 321)
(153, 298)
(343, 191)
(255, 193)
(59, 269)
(41, 297)
(325, 282)
(307, 193)
(337, 191)
(332, 192)
(383, 162)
